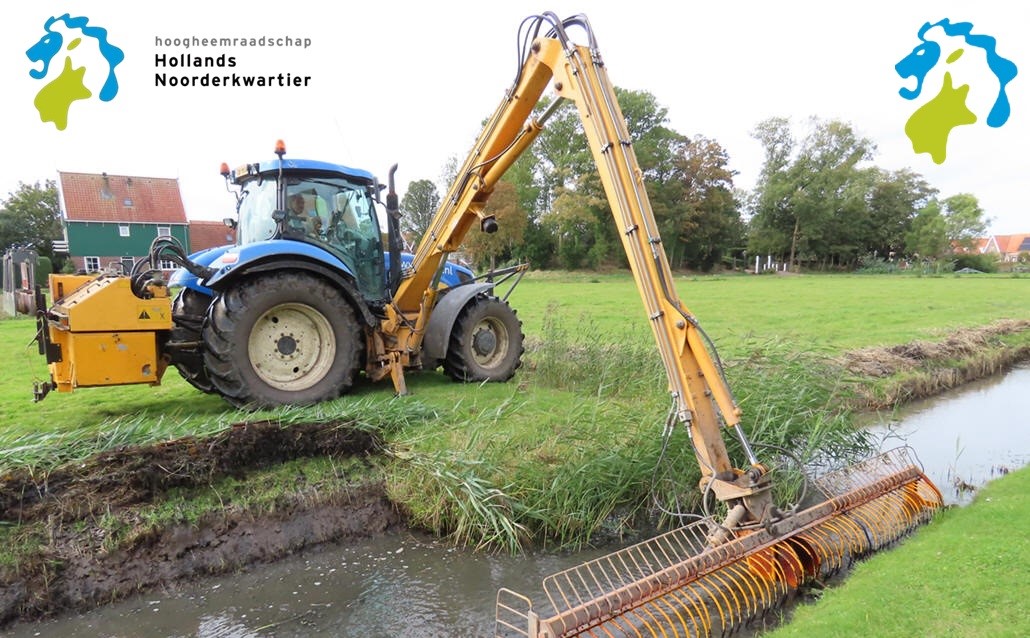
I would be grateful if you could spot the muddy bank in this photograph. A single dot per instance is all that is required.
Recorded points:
(72, 562)
(134, 475)
(893, 375)
(75, 574)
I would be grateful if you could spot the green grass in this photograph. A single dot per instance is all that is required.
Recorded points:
(836, 312)
(818, 313)
(962, 576)
(572, 443)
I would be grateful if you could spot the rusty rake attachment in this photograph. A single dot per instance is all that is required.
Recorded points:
(678, 584)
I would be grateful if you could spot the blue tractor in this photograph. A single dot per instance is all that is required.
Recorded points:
(305, 299)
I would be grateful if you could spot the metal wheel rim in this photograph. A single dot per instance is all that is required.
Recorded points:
(292, 347)
(496, 354)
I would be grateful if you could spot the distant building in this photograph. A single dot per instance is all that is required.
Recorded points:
(204, 235)
(1008, 247)
(112, 219)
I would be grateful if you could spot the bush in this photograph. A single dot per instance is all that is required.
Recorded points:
(869, 265)
(983, 263)
(43, 269)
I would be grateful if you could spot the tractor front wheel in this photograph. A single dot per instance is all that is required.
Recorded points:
(284, 338)
(486, 342)
(188, 311)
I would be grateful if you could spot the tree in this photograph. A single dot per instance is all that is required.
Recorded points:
(31, 217)
(418, 206)
(809, 196)
(894, 199)
(583, 232)
(703, 222)
(771, 216)
(560, 154)
(928, 238)
(964, 220)
(487, 249)
(537, 247)
(572, 224)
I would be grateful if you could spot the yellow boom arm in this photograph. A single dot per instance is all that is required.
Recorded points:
(577, 73)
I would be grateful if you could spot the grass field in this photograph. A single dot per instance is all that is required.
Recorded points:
(818, 314)
(579, 428)
(835, 312)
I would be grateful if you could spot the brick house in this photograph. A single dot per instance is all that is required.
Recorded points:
(112, 219)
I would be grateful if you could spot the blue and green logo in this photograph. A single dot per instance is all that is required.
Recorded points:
(74, 55)
(971, 78)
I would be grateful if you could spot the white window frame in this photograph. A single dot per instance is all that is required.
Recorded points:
(123, 230)
(168, 265)
(92, 264)
(164, 231)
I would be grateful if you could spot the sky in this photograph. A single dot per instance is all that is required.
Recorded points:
(410, 83)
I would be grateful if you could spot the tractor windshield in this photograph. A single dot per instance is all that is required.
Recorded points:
(331, 212)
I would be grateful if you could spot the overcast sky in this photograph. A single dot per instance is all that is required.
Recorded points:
(409, 83)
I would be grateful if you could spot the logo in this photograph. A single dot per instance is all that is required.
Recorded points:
(970, 78)
(76, 58)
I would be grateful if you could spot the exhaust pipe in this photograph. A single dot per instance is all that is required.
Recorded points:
(393, 231)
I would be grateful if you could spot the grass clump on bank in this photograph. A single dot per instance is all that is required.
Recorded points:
(964, 575)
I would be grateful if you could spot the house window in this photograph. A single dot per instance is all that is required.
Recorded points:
(168, 265)
(164, 231)
(92, 264)
(123, 230)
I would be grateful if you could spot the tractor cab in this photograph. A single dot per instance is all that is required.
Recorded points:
(328, 206)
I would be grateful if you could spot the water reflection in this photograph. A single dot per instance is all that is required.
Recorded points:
(970, 436)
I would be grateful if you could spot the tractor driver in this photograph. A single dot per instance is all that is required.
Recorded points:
(311, 219)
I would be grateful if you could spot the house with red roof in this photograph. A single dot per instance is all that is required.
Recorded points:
(1008, 247)
(204, 235)
(112, 219)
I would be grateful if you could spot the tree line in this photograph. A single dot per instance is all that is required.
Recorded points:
(30, 218)
(819, 201)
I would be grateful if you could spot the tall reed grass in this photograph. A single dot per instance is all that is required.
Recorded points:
(593, 461)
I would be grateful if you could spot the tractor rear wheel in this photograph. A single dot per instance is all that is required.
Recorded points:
(486, 342)
(188, 311)
(283, 338)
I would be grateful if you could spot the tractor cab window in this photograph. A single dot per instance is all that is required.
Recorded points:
(340, 216)
(331, 212)
(255, 212)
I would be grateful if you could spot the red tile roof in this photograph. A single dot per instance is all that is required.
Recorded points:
(205, 235)
(1010, 244)
(121, 198)
(977, 245)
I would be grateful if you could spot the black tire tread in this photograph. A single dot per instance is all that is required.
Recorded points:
(459, 365)
(188, 311)
(225, 354)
